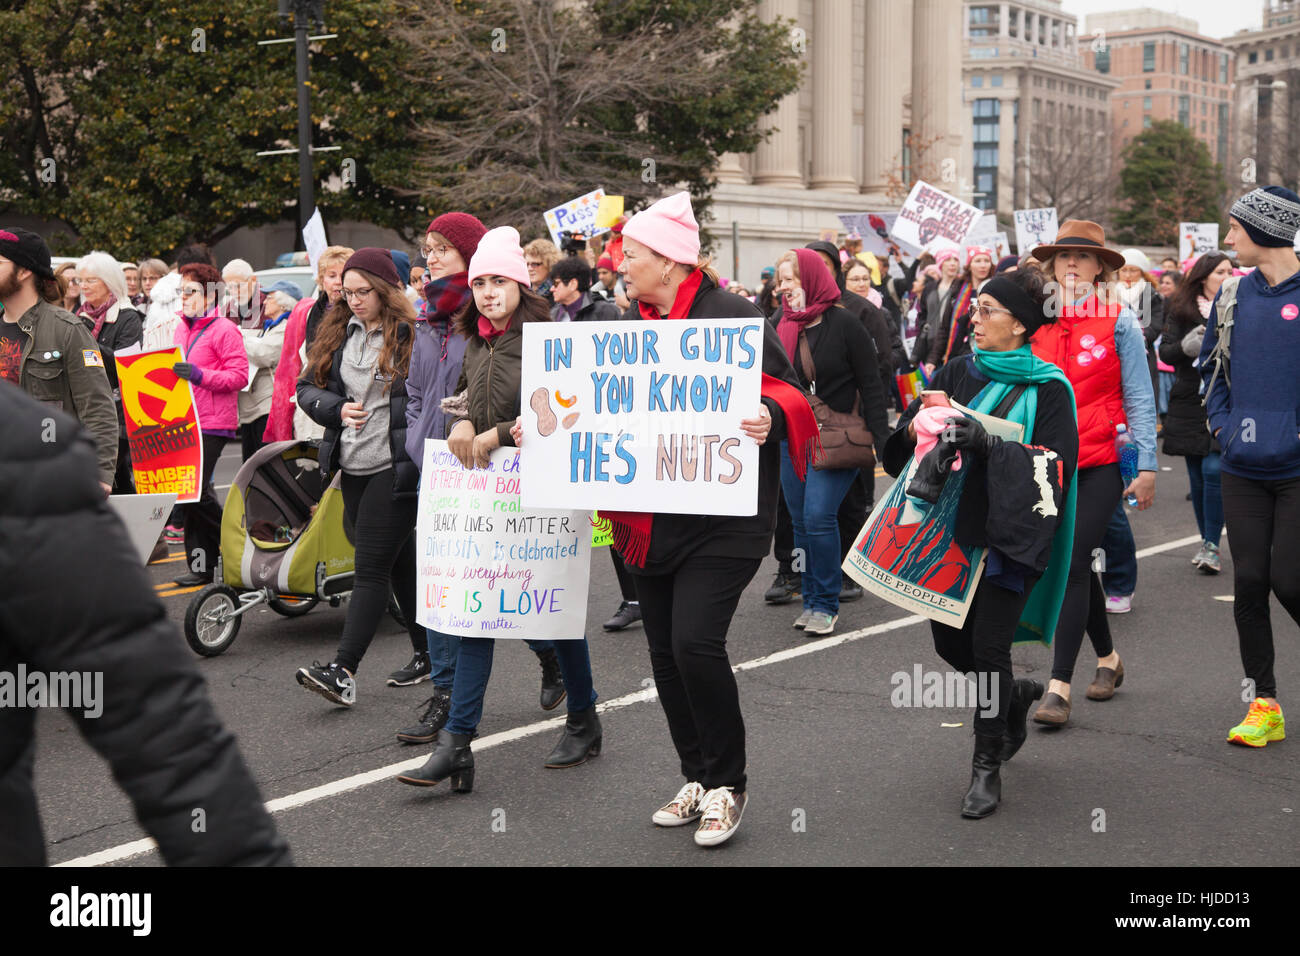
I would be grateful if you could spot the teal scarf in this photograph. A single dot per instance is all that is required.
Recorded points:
(1007, 370)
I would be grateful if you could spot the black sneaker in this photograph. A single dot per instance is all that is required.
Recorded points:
(850, 590)
(629, 612)
(436, 710)
(552, 680)
(787, 586)
(330, 681)
(417, 670)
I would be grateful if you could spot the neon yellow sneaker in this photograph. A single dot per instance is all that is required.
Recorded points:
(1263, 724)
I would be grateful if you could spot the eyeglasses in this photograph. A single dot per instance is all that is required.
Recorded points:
(191, 290)
(986, 311)
(435, 251)
(356, 295)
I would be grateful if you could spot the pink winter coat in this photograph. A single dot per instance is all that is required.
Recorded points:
(215, 345)
(279, 422)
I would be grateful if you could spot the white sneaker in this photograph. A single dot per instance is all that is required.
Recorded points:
(1199, 558)
(1120, 604)
(821, 623)
(681, 809)
(802, 620)
(721, 813)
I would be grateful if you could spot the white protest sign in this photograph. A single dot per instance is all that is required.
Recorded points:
(873, 227)
(642, 416)
(488, 567)
(144, 517)
(929, 213)
(576, 215)
(1195, 238)
(997, 242)
(984, 227)
(313, 237)
(1035, 227)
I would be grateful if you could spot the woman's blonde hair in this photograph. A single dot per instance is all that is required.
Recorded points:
(332, 255)
(545, 250)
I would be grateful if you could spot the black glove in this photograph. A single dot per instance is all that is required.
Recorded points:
(932, 472)
(968, 435)
(191, 373)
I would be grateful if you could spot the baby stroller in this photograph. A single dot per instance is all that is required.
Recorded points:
(283, 544)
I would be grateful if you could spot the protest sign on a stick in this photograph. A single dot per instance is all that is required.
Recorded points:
(488, 567)
(576, 215)
(1035, 227)
(1195, 238)
(929, 213)
(642, 416)
(162, 424)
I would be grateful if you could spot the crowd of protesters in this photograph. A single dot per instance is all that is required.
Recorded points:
(1069, 340)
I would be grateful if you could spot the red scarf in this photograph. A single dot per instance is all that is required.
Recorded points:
(632, 529)
(820, 293)
(97, 315)
(487, 331)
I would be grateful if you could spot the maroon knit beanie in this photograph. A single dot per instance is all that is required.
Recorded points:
(460, 229)
(378, 262)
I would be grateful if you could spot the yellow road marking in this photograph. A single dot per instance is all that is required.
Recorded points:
(180, 591)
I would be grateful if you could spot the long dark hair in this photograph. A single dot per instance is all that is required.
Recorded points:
(1182, 303)
(532, 308)
(394, 357)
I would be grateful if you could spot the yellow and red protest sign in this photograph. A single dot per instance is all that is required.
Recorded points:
(162, 425)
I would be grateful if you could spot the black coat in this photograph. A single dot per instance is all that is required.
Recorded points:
(324, 406)
(1186, 430)
(127, 331)
(674, 537)
(75, 599)
(844, 358)
(997, 507)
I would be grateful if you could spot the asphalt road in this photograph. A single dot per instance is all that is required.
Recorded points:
(838, 775)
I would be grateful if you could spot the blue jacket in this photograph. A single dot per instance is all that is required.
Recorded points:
(435, 368)
(1255, 419)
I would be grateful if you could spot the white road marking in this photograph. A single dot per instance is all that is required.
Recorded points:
(135, 848)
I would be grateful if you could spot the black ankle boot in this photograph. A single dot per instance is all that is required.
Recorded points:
(452, 758)
(1025, 693)
(985, 781)
(582, 738)
(552, 680)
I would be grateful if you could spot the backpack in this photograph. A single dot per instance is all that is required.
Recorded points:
(1222, 351)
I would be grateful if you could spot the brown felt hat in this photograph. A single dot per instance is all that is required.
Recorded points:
(1081, 235)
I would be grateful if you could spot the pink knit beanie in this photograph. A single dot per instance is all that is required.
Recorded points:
(669, 228)
(499, 254)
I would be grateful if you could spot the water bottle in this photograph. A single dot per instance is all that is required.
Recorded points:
(1128, 460)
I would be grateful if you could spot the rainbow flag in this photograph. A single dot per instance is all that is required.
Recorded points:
(911, 385)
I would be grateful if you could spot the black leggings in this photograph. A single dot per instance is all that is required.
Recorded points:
(1263, 519)
(384, 535)
(625, 585)
(1084, 606)
(983, 646)
(203, 517)
(686, 615)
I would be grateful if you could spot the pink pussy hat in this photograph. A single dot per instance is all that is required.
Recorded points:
(498, 254)
(669, 228)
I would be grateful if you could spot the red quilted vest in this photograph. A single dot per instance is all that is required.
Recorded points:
(1082, 344)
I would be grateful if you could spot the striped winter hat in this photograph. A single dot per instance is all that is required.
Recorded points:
(1270, 216)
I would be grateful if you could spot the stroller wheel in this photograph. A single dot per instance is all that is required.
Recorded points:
(287, 605)
(210, 626)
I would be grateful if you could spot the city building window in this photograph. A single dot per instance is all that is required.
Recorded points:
(1102, 60)
(977, 81)
(1148, 84)
(987, 108)
(983, 21)
(1146, 102)
(1146, 122)
(1268, 55)
(1252, 57)
(1149, 57)
(1185, 111)
(1223, 68)
(1183, 52)
(995, 79)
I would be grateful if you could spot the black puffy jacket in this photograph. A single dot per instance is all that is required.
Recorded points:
(75, 599)
(324, 406)
(1186, 430)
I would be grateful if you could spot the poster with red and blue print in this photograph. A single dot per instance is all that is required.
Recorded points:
(162, 425)
(906, 552)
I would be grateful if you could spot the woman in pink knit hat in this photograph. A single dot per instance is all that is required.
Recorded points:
(490, 375)
(690, 569)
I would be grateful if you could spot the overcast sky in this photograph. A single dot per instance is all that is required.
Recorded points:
(1217, 18)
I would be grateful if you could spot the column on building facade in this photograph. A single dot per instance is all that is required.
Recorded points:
(832, 103)
(1031, 27)
(885, 82)
(1004, 20)
(1006, 155)
(777, 158)
(937, 88)
(730, 169)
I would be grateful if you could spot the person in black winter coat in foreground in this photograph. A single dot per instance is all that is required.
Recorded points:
(76, 601)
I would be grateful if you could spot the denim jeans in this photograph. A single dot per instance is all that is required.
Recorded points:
(814, 505)
(444, 650)
(474, 667)
(1207, 495)
(1120, 577)
(1166, 381)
